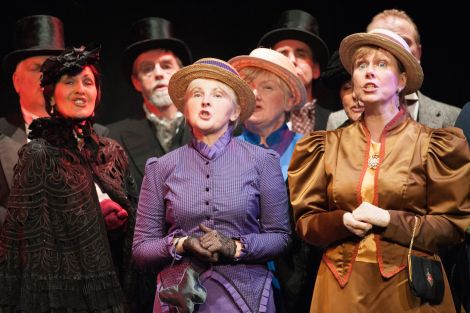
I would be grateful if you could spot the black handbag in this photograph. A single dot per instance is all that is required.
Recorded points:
(425, 275)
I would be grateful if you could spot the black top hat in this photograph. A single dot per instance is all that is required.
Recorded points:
(153, 33)
(335, 75)
(35, 35)
(298, 25)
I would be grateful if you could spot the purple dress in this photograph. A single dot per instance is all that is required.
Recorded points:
(234, 187)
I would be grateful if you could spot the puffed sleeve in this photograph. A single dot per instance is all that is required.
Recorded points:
(447, 192)
(307, 179)
(274, 236)
(152, 243)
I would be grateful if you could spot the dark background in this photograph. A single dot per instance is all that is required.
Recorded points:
(225, 29)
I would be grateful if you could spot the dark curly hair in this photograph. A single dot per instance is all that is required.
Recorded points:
(70, 62)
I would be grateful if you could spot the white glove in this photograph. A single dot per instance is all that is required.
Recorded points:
(372, 214)
(354, 226)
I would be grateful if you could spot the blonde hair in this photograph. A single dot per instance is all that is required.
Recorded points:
(250, 73)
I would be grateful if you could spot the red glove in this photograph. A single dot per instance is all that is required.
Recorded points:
(114, 215)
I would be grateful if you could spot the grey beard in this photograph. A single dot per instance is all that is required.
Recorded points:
(160, 99)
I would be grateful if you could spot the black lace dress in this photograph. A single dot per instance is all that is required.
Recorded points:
(55, 252)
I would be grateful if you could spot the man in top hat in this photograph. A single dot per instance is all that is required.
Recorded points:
(151, 58)
(297, 37)
(36, 38)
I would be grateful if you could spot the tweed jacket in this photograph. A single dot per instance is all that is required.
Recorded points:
(422, 172)
(436, 114)
(336, 119)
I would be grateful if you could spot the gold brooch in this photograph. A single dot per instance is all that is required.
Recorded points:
(373, 161)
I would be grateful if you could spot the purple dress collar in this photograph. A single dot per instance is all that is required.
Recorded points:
(217, 149)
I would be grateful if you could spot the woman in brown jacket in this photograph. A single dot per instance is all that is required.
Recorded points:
(356, 190)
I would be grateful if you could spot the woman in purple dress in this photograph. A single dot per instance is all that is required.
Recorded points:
(211, 213)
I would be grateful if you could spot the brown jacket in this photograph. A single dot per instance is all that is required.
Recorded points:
(422, 171)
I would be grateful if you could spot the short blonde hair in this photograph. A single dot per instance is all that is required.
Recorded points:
(250, 73)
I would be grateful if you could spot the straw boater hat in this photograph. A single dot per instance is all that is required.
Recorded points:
(211, 68)
(389, 41)
(277, 63)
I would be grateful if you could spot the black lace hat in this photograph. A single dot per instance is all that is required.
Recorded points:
(153, 33)
(298, 25)
(70, 62)
(35, 35)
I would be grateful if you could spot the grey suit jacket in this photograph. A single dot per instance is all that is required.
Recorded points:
(336, 119)
(12, 138)
(436, 114)
(431, 113)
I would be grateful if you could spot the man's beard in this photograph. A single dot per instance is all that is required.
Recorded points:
(160, 99)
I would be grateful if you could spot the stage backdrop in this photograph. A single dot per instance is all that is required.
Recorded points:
(224, 29)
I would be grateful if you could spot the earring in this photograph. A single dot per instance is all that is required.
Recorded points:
(52, 103)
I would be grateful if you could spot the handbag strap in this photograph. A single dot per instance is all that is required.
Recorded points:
(410, 271)
(413, 237)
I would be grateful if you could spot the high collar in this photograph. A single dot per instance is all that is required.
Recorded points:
(217, 149)
(64, 133)
(274, 141)
(395, 124)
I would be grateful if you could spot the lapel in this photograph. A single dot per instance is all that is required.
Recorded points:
(321, 117)
(13, 138)
(429, 114)
(182, 137)
(140, 143)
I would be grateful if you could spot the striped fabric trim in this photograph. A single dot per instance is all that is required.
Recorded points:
(219, 64)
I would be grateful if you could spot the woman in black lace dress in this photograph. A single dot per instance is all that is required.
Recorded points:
(65, 245)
